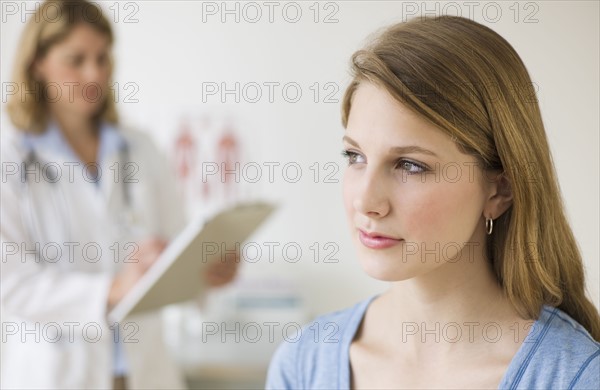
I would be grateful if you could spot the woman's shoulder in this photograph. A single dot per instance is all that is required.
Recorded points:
(562, 325)
(560, 351)
(314, 357)
(565, 337)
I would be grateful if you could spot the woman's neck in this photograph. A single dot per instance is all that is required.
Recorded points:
(464, 290)
(76, 127)
(464, 297)
(82, 135)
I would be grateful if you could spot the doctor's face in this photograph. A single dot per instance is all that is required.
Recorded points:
(76, 72)
(414, 202)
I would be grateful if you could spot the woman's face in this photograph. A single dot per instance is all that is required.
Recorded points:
(406, 180)
(76, 72)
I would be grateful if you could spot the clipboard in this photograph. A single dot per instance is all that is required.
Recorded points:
(176, 275)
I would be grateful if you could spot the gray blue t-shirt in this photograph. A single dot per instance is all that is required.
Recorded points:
(558, 353)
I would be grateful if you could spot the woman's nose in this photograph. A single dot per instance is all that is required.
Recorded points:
(95, 73)
(371, 198)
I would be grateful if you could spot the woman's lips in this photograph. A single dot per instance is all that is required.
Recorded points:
(376, 241)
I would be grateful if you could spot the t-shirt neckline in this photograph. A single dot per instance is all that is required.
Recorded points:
(512, 375)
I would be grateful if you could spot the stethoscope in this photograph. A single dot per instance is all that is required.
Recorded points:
(58, 200)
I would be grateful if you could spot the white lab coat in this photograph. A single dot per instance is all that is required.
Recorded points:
(53, 310)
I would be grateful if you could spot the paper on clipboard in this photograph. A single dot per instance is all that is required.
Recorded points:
(176, 275)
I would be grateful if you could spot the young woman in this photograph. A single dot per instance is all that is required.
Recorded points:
(86, 207)
(451, 196)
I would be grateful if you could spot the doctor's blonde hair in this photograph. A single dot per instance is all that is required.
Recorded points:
(470, 82)
(50, 24)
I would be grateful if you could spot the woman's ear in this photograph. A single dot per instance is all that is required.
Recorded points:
(500, 196)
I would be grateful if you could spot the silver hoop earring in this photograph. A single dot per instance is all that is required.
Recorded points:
(489, 225)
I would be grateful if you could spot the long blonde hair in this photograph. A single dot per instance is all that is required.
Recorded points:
(469, 81)
(50, 24)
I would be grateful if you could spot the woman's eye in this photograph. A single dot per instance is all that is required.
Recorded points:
(76, 60)
(352, 157)
(410, 167)
(103, 59)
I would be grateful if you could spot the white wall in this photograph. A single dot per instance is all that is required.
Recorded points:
(170, 51)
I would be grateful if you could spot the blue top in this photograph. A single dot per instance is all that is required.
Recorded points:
(111, 141)
(558, 353)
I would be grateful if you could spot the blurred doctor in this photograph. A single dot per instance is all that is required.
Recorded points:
(86, 208)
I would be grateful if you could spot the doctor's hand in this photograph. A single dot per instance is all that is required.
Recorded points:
(146, 255)
(219, 273)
